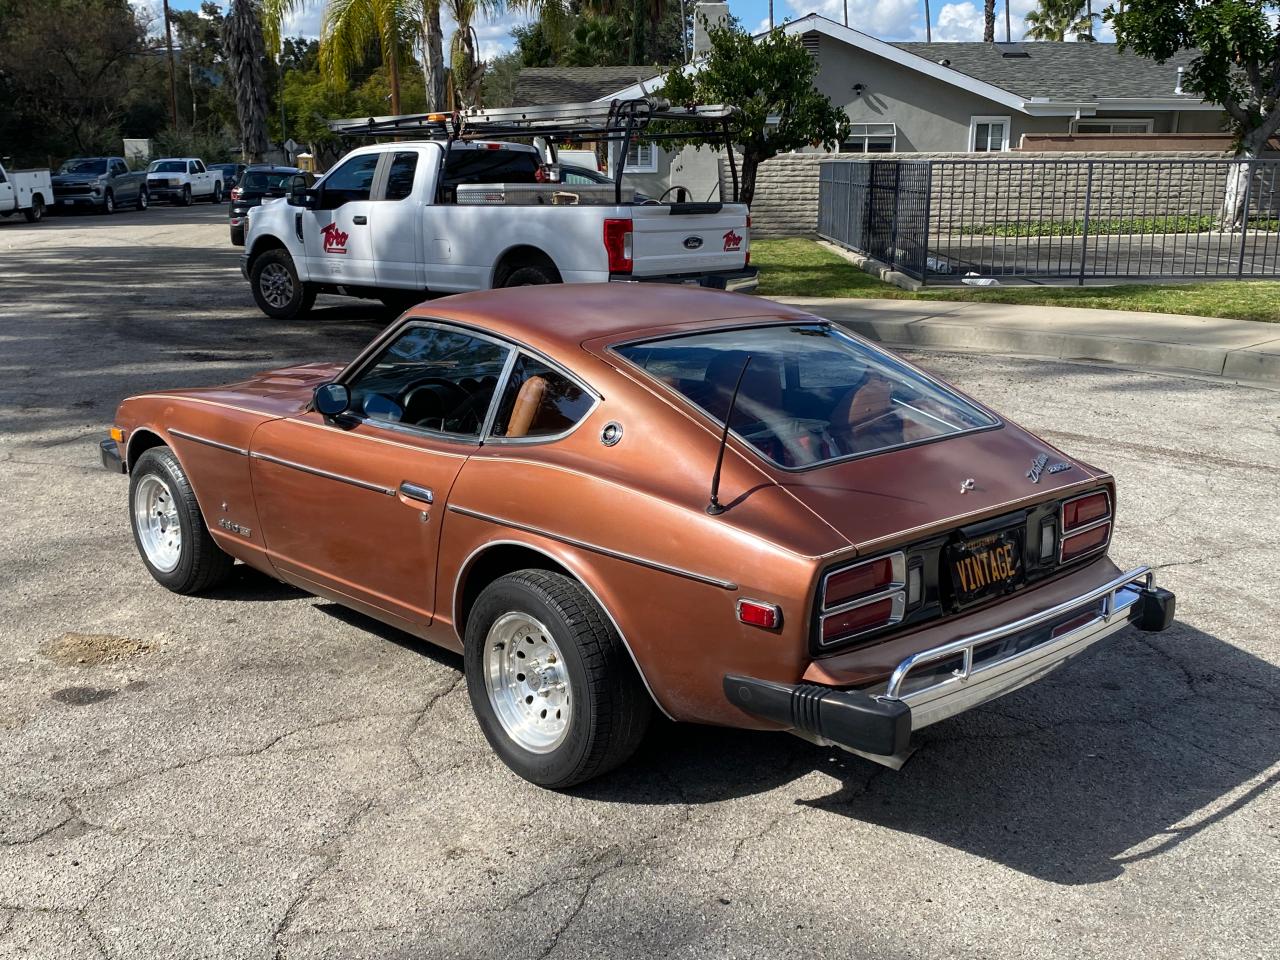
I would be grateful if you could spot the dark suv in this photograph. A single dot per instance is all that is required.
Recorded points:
(256, 184)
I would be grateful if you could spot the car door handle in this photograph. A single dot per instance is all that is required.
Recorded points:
(414, 492)
(359, 221)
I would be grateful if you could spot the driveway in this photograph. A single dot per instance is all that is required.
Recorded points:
(261, 774)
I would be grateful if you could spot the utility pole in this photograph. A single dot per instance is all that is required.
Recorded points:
(173, 86)
(191, 83)
(771, 16)
(846, 12)
(1008, 29)
(928, 24)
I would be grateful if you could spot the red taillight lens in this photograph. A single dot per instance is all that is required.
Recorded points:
(756, 613)
(863, 597)
(617, 244)
(1077, 545)
(844, 585)
(866, 617)
(1076, 513)
(747, 241)
(236, 193)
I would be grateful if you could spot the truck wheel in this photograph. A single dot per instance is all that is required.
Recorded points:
(168, 527)
(142, 200)
(34, 213)
(186, 196)
(217, 193)
(276, 287)
(108, 203)
(550, 681)
(399, 302)
(530, 275)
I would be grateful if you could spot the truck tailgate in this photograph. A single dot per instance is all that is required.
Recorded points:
(688, 238)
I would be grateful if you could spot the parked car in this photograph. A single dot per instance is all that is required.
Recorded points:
(258, 183)
(231, 174)
(398, 220)
(572, 174)
(184, 180)
(27, 192)
(615, 500)
(103, 183)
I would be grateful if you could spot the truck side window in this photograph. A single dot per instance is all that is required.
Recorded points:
(479, 164)
(400, 176)
(2, 177)
(353, 180)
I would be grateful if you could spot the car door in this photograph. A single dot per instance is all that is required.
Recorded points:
(397, 233)
(337, 231)
(6, 193)
(123, 186)
(353, 506)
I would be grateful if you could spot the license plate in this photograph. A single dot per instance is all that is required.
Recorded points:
(986, 566)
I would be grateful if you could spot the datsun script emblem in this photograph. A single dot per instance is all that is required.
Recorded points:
(692, 243)
(732, 241)
(1038, 465)
(335, 241)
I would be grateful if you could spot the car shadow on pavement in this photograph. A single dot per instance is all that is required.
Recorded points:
(1119, 757)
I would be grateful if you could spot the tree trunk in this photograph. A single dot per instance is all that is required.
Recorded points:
(747, 176)
(989, 21)
(433, 66)
(637, 32)
(393, 76)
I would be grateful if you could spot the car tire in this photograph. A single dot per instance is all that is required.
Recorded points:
(276, 288)
(168, 527)
(217, 194)
(529, 275)
(108, 203)
(35, 212)
(143, 200)
(550, 680)
(186, 196)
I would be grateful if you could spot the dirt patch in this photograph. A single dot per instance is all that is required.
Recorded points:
(91, 649)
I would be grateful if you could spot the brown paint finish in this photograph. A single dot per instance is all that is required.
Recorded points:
(325, 509)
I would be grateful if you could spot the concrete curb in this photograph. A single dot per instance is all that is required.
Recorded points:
(1239, 350)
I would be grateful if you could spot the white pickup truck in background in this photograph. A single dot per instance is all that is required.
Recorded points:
(25, 191)
(184, 180)
(395, 221)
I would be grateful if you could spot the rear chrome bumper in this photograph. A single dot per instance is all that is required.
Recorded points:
(945, 680)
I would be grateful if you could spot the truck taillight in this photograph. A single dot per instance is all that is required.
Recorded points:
(1086, 525)
(617, 244)
(236, 193)
(747, 263)
(863, 597)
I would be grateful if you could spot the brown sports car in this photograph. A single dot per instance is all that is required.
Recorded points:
(611, 499)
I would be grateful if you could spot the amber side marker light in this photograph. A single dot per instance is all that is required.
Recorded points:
(117, 435)
(1086, 526)
(756, 613)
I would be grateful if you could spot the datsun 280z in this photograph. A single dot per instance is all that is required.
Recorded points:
(614, 501)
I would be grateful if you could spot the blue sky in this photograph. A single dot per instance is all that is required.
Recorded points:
(886, 19)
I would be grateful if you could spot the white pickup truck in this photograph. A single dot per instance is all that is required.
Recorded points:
(25, 191)
(396, 221)
(183, 180)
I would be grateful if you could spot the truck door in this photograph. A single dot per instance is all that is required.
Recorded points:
(397, 233)
(337, 233)
(124, 186)
(7, 200)
(199, 181)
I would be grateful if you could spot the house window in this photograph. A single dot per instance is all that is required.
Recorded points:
(871, 138)
(1127, 125)
(642, 158)
(988, 134)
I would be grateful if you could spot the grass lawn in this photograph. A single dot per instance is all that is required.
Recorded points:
(802, 268)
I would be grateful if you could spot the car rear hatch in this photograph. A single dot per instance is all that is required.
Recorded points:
(688, 238)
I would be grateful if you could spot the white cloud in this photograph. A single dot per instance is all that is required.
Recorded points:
(958, 21)
(884, 19)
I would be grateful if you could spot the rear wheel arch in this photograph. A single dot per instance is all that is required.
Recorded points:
(497, 558)
(524, 255)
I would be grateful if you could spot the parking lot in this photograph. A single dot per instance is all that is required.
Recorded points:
(262, 774)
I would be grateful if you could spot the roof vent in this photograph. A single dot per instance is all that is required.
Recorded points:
(944, 62)
(1016, 55)
(1177, 90)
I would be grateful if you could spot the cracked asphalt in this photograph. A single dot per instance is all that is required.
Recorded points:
(260, 774)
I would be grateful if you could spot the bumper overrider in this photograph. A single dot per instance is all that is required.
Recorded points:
(945, 680)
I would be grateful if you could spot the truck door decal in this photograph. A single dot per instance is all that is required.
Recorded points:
(732, 241)
(335, 241)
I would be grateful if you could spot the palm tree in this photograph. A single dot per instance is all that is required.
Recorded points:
(242, 34)
(347, 29)
(1054, 19)
(426, 14)
(989, 21)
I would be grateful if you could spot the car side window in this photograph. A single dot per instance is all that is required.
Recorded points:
(351, 181)
(199, 167)
(539, 401)
(574, 178)
(400, 176)
(2, 177)
(435, 378)
(118, 168)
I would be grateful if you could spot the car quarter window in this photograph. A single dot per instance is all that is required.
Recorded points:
(432, 377)
(539, 401)
(352, 180)
(400, 175)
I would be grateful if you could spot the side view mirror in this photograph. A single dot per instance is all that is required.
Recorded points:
(300, 195)
(332, 399)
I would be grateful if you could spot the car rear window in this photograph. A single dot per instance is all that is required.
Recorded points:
(265, 179)
(475, 165)
(810, 394)
(169, 166)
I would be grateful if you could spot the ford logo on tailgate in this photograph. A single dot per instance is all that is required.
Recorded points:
(692, 243)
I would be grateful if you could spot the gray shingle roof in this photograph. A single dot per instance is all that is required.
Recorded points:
(1058, 71)
(539, 85)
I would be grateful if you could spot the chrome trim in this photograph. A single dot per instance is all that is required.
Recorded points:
(500, 388)
(777, 612)
(596, 548)
(895, 590)
(317, 472)
(207, 442)
(415, 492)
(466, 565)
(1117, 599)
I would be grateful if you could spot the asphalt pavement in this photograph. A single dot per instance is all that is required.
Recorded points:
(261, 774)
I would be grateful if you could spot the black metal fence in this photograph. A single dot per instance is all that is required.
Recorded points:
(950, 221)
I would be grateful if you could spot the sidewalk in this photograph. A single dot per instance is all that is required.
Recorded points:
(1236, 349)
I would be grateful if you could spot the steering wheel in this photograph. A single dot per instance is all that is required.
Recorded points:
(450, 395)
(681, 197)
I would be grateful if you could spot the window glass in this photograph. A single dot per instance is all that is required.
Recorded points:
(434, 378)
(474, 165)
(267, 179)
(641, 158)
(400, 176)
(990, 135)
(168, 166)
(539, 402)
(118, 168)
(351, 181)
(810, 394)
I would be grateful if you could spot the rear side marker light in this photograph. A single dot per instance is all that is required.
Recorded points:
(757, 613)
(1085, 524)
(618, 243)
(866, 596)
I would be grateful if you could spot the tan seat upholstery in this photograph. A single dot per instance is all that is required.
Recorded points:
(528, 402)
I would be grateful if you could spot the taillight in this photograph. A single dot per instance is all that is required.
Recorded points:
(863, 597)
(747, 241)
(1085, 524)
(617, 244)
(236, 193)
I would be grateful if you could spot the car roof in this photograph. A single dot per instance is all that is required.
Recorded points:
(558, 319)
(269, 168)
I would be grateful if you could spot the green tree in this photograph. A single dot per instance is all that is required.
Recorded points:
(246, 53)
(1054, 19)
(771, 80)
(350, 27)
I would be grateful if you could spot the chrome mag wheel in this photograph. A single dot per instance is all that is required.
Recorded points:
(276, 285)
(528, 682)
(155, 515)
